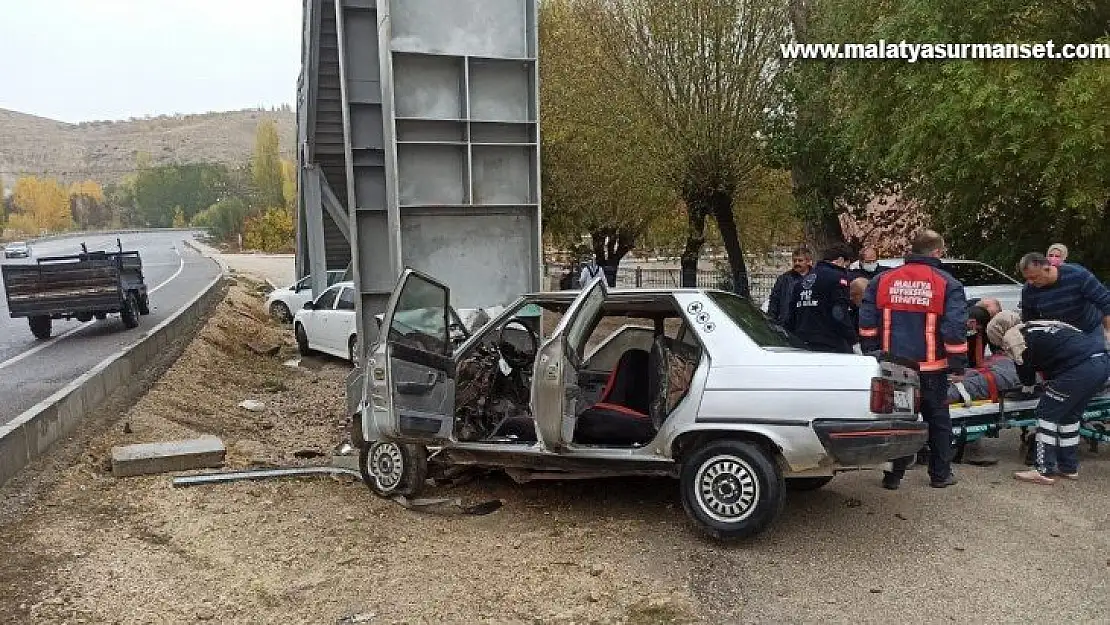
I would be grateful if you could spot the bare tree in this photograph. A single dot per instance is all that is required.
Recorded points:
(704, 71)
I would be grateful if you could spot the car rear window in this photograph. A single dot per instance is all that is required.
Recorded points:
(977, 274)
(752, 321)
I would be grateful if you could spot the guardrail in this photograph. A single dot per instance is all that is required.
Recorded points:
(30, 436)
(78, 233)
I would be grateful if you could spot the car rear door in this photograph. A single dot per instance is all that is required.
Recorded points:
(420, 372)
(556, 371)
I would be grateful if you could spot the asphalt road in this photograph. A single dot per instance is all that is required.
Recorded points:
(31, 370)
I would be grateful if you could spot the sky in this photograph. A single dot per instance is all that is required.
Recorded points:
(83, 60)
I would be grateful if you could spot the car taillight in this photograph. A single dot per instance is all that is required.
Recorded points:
(882, 396)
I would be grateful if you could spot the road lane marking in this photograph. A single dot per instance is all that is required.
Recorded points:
(38, 348)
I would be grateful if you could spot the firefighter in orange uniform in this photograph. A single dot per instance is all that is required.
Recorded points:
(918, 312)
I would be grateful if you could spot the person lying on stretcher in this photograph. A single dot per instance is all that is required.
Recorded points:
(996, 375)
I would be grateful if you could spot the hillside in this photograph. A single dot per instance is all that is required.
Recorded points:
(106, 150)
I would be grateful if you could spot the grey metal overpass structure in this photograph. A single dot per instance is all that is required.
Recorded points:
(418, 145)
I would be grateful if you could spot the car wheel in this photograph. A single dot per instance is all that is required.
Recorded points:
(801, 484)
(130, 312)
(144, 304)
(731, 489)
(302, 340)
(280, 312)
(40, 327)
(352, 350)
(390, 469)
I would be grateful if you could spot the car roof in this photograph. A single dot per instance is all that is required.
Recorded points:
(894, 262)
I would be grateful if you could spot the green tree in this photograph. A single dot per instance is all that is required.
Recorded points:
(266, 167)
(597, 179)
(704, 70)
(1006, 156)
(807, 138)
(193, 187)
(225, 219)
(179, 217)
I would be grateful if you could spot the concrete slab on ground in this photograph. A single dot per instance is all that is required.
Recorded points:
(149, 458)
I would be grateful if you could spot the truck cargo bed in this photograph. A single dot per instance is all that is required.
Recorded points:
(65, 286)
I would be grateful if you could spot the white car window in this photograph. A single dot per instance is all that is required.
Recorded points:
(346, 299)
(326, 301)
(977, 274)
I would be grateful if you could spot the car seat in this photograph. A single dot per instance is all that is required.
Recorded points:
(621, 415)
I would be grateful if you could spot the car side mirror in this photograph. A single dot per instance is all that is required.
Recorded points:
(310, 305)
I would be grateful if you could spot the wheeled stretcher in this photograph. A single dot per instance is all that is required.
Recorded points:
(988, 418)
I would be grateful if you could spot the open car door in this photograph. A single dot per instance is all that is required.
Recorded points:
(413, 395)
(555, 378)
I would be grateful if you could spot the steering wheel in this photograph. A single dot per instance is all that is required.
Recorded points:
(516, 358)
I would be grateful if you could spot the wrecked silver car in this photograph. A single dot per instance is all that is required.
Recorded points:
(688, 383)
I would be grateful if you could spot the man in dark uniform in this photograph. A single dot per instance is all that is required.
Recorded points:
(918, 312)
(1075, 367)
(822, 316)
(782, 294)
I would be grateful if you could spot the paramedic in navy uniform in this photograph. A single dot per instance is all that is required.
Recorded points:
(918, 312)
(1075, 367)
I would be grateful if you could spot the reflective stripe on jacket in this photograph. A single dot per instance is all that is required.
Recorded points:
(919, 312)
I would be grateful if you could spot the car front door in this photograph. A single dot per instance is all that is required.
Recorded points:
(319, 328)
(419, 376)
(342, 324)
(555, 375)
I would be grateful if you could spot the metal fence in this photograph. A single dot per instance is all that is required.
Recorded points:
(656, 277)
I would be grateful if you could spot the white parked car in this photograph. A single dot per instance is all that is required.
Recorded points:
(979, 279)
(327, 324)
(283, 303)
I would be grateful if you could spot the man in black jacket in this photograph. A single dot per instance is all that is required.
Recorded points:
(822, 306)
(779, 304)
(1075, 367)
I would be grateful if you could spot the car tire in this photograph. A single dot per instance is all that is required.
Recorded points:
(802, 484)
(302, 340)
(40, 327)
(130, 312)
(390, 468)
(280, 312)
(352, 350)
(144, 304)
(731, 489)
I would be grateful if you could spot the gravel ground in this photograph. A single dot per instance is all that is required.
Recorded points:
(86, 547)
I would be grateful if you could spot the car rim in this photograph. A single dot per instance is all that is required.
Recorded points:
(727, 489)
(386, 465)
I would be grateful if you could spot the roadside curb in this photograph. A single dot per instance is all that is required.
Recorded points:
(31, 435)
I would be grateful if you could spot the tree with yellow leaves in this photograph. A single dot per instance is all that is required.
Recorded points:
(289, 183)
(41, 204)
(87, 205)
(266, 166)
